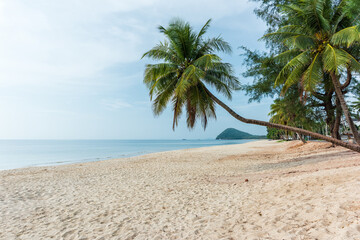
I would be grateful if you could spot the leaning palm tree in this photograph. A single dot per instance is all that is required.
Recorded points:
(320, 38)
(189, 67)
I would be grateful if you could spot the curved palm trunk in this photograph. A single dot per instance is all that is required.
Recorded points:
(344, 107)
(353, 147)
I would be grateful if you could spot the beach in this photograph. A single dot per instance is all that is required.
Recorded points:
(257, 190)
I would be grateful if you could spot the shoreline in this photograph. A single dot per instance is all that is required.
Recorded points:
(260, 189)
(98, 159)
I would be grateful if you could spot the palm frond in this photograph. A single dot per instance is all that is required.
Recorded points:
(286, 56)
(163, 97)
(178, 103)
(206, 61)
(313, 75)
(347, 37)
(314, 14)
(334, 59)
(283, 36)
(162, 52)
(297, 62)
(300, 42)
(203, 29)
(215, 44)
(155, 71)
(190, 76)
(293, 78)
(352, 62)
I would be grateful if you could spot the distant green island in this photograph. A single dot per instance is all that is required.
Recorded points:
(232, 133)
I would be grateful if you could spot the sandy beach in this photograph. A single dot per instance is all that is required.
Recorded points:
(257, 190)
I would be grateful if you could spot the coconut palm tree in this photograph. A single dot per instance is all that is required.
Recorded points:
(320, 38)
(279, 112)
(290, 111)
(189, 66)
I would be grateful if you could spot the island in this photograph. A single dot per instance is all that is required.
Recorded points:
(232, 134)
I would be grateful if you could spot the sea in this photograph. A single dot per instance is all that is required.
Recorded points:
(32, 153)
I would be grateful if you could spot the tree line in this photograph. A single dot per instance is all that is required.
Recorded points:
(310, 67)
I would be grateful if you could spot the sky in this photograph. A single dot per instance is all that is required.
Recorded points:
(72, 69)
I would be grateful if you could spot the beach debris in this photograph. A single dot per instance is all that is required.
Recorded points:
(246, 180)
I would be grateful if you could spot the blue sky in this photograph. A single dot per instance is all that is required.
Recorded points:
(72, 69)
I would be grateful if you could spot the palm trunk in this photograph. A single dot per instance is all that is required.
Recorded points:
(330, 113)
(335, 131)
(344, 107)
(336, 126)
(304, 132)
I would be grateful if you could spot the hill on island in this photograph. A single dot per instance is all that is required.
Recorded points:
(232, 133)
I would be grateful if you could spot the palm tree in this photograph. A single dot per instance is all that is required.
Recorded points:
(189, 65)
(320, 38)
(290, 111)
(279, 112)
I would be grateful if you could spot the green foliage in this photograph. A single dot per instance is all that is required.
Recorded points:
(289, 110)
(321, 32)
(189, 64)
(232, 133)
(263, 69)
(307, 40)
(274, 133)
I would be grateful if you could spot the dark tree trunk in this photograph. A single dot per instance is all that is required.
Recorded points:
(327, 103)
(340, 96)
(330, 113)
(304, 132)
(335, 131)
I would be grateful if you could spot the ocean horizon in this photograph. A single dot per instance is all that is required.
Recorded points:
(33, 153)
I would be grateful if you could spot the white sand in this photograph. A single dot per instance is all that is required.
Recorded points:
(293, 192)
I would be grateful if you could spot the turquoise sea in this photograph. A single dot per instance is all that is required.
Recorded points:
(30, 153)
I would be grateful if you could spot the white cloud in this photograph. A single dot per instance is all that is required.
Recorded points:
(42, 41)
(63, 57)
